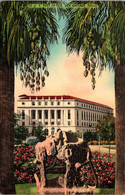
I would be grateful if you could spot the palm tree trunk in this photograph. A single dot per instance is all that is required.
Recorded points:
(6, 129)
(120, 128)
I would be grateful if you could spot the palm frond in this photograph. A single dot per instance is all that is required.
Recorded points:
(13, 31)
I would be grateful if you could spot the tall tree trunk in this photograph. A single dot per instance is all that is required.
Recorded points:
(6, 129)
(120, 128)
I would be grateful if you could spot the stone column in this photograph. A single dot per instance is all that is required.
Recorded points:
(65, 121)
(73, 117)
(36, 117)
(49, 118)
(55, 116)
(26, 117)
(80, 117)
(43, 117)
(29, 117)
(62, 117)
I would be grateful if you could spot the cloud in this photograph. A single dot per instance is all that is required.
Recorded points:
(66, 78)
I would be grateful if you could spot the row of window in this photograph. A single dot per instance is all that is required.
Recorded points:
(46, 123)
(88, 106)
(45, 103)
(52, 114)
(86, 124)
(85, 115)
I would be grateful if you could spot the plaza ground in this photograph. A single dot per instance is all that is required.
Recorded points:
(103, 148)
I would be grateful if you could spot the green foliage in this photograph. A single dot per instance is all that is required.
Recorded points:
(78, 134)
(16, 119)
(39, 133)
(90, 136)
(97, 30)
(106, 127)
(26, 31)
(21, 133)
(32, 142)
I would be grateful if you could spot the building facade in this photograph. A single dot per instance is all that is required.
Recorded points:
(60, 112)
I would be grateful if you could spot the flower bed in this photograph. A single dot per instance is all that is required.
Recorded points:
(25, 167)
(104, 168)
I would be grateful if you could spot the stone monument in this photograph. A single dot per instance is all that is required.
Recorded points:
(63, 146)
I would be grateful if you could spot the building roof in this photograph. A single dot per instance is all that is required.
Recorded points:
(23, 97)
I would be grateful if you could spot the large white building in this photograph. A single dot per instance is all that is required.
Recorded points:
(60, 112)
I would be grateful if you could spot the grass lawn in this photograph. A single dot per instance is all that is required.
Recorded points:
(104, 191)
(53, 176)
(30, 188)
(111, 147)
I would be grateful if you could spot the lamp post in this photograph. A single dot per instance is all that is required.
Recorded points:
(99, 143)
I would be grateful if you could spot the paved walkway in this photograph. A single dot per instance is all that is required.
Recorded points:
(102, 148)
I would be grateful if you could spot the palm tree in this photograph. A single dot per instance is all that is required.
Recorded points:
(97, 29)
(25, 35)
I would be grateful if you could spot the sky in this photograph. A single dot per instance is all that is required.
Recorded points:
(66, 77)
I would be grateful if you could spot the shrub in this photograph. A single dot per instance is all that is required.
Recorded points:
(90, 142)
(32, 142)
(102, 142)
(95, 142)
(39, 133)
(21, 133)
(112, 142)
(90, 136)
(106, 142)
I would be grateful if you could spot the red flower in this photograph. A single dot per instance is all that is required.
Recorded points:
(110, 157)
(111, 177)
(20, 162)
(19, 178)
(15, 162)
